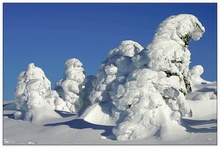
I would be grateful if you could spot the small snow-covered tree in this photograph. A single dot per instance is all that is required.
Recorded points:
(70, 87)
(30, 93)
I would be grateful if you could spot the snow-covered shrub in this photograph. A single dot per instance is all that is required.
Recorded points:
(195, 75)
(30, 93)
(70, 87)
(169, 52)
(117, 65)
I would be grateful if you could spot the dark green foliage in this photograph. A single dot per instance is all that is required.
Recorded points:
(186, 39)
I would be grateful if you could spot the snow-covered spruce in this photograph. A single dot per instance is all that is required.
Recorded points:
(30, 93)
(152, 98)
(169, 52)
(117, 65)
(70, 87)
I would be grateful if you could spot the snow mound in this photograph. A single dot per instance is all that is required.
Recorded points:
(95, 114)
(205, 96)
(195, 75)
(30, 93)
(127, 48)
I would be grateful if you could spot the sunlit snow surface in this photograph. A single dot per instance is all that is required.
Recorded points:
(71, 129)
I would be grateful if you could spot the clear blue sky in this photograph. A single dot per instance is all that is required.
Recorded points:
(50, 34)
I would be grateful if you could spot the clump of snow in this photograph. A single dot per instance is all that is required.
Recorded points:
(195, 75)
(127, 48)
(70, 87)
(30, 94)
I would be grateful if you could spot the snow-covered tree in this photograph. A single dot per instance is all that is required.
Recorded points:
(117, 65)
(152, 98)
(70, 87)
(146, 87)
(169, 52)
(30, 93)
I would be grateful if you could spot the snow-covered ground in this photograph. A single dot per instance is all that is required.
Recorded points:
(73, 129)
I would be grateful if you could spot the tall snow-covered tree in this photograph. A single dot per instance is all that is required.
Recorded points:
(169, 52)
(152, 98)
(30, 93)
(147, 87)
(70, 87)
